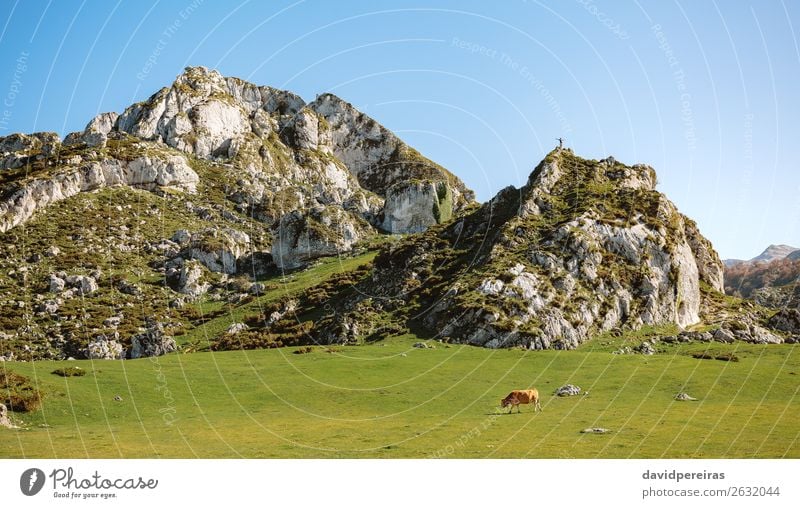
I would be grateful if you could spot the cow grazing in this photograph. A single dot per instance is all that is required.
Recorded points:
(517, 397)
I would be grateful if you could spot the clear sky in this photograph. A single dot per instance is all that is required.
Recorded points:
(706, 92)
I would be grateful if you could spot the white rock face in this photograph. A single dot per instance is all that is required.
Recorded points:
(306, 131)
(18, 149)
(287, 155)
(377, 157)
(102, 123)
(190, 281)
(203, 113)
(152, 342)
(218, 249)
(172, 171)
(413, 207)
(687, 286)
(664, 275)
(83, 283)
(320, 231)
(103, 348)
(361, 143)
(144, 172)
(220, 124)
(709, 265)
(96, 132)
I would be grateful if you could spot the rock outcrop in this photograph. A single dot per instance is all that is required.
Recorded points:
(283, 155)
(17, 150)
(787, 320)
(96, 132)
(152, 342)
(78, 284)
(187, 277)
(414, 206)
(144, 172)
(568, 390)
(321, 231)
(218, 249)
(5, 421)
(354, 161)
(418, 192)
(584, 247)
(104, 348)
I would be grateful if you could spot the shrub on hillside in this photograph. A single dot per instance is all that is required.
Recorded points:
(69, 372)
(18, 393)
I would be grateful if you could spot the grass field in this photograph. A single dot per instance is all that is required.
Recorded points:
(392, 400)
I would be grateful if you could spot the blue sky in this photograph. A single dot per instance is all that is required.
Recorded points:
(706, 92)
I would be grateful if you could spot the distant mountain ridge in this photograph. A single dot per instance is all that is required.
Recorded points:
(771, 253)
(774, 252)
(771, 278)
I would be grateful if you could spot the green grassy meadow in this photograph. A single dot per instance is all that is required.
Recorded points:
(389, 399)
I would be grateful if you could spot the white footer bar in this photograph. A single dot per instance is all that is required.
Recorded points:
(401, 483)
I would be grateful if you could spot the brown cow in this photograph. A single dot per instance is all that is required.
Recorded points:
(517, 397)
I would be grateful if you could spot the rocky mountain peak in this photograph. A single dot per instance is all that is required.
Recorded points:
(774, 252)
(418, 191)
(215, 117)
(584, 247)
(326, 171)
(202, 79)
(562, 171)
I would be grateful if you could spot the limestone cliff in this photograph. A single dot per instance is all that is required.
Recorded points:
(584, 247)
(286, 159)
(192, 197)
